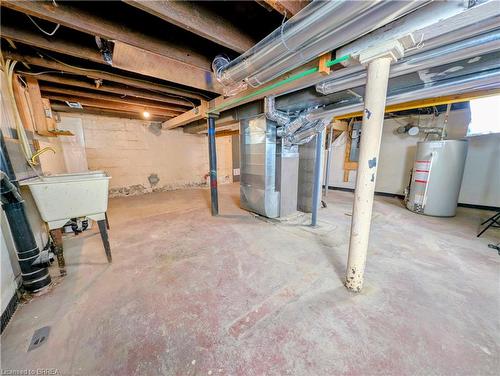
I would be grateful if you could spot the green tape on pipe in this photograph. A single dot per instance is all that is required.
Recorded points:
(295, 77)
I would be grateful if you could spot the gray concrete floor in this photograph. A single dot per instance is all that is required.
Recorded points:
(188, 294)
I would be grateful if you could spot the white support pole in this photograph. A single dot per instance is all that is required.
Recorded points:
(371, 136)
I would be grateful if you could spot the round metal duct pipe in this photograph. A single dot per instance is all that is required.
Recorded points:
(320, 27)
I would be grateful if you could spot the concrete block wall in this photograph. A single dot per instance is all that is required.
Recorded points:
(142, 158)
(224, 147)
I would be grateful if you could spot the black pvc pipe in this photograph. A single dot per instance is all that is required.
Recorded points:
(5, 164)
(34, 277)
(214, 198)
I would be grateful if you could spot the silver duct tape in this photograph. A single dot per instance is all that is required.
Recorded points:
(36, 280)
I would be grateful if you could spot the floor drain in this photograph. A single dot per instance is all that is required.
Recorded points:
(39, 337)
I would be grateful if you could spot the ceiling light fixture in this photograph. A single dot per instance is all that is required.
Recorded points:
(146, 114)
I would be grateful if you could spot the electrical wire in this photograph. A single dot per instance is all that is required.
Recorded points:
(39, 73)
(43, 31)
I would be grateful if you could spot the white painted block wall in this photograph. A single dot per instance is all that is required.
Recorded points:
(131, 151)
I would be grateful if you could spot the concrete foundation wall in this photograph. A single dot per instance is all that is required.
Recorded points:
(139, 156)
(224, 146)
(481, 176)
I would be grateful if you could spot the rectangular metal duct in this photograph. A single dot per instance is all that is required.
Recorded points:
(269, 171)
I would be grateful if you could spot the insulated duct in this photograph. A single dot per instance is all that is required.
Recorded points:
(320, 27)
(484, 80)
(356, 76)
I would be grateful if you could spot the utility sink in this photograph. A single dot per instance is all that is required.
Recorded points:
(62, 197)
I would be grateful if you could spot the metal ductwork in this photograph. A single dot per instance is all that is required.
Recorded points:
(268, 168)
(294, 131)
(489, 79)
(469, 48)
(270, 159)
(320, 27)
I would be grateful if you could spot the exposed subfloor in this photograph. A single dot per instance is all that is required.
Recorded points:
(188, 294)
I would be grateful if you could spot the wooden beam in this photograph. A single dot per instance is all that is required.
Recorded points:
(42, 126)
(110, 98)
(53, 44)
(187, 117)
(23, 104)
(125, 56)
(135, 59)
(430, 102)
(229, 117)
(339, 125)
(95, 23)
(288, 8)
(222, 103)
(198, 20)
(226, 133)
(104, 112)
(111, 105)
(106, 88)
(142, 84)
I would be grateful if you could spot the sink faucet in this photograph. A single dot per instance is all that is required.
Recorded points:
(40, 152)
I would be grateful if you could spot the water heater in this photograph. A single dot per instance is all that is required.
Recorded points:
(436, 177)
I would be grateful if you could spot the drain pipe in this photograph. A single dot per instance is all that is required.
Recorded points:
(379, 63)
(35, 276)
(317, 179)
(212, 155)
(328, 161)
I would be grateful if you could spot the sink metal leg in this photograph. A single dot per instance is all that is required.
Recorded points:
(107, 220)
(56, 235)
(105, 239)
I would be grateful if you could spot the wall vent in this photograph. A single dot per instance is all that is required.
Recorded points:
(74, 104)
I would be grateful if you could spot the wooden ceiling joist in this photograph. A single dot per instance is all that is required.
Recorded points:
(189, 116)
(104, 112)
(110, 98)
(288, 8)
(106, 88)
(228, 119)
(134, 59)
(111, 105)
(141, 84)
(68, 15)
(198, 20)
(133, 50)
(37, 40)
(125, 56)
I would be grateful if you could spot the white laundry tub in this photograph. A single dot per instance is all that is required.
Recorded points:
(62, 197)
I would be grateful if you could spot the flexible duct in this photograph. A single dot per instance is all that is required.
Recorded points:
(273, 114)
(297, 131)
(356, 76)
(307, 132)
(320, 27)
